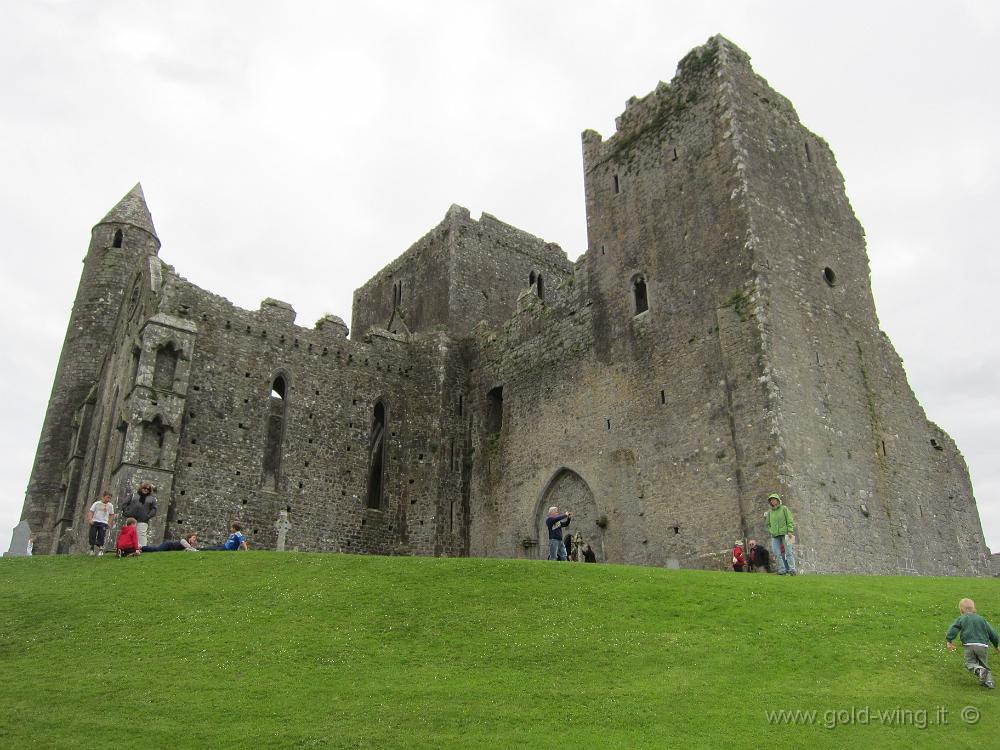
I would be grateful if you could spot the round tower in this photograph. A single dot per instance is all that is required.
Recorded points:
(118, 244)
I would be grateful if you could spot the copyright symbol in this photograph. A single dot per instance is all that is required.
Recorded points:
(970, 714)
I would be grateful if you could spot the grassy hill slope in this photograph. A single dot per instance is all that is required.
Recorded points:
(273, 650)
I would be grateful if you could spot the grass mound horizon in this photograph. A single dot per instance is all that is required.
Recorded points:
(301, 650)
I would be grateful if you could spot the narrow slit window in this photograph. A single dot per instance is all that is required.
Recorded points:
(617, 185)
(639, 295)
(541, 287)
(118, 238)
(274, 433)
(376, 458)
(136, 355)
(494, 410)
(122, 430)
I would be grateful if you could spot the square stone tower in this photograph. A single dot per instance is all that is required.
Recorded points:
(713, 210)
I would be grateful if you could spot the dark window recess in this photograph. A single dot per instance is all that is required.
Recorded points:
(541, 287)
(639, 296)
(603, 249)
(808, 155)
(617, 185)
(376, 458)
(494, 410)
(663, 397)
(151, 444)
(829, 276)
(165, 367)
(461, 405)
(608, 423)
(883, 449)
(274, 433)
(675, 155)
(122, 435)
(531, 279)
(136, 354)
(677, 529)
(118, 238)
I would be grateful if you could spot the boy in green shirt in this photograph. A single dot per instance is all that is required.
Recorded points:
(975, 634)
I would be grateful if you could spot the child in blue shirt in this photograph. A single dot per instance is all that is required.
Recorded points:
(236, 540)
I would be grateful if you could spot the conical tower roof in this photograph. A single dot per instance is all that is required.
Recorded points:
(132, 210)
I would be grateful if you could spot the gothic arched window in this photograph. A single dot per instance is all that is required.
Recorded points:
(274, 433)
(376, 458)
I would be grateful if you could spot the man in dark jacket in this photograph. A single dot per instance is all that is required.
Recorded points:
(142, 507)
(554, 522)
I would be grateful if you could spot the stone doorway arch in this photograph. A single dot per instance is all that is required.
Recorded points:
(568, 490)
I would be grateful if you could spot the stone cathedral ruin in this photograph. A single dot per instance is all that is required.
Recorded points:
(716, 342)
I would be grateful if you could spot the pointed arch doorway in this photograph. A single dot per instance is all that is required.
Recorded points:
(569, 492)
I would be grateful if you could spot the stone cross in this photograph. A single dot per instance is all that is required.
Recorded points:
(20, 541)
(282, 525)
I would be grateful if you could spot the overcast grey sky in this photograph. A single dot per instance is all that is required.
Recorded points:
(292, 149)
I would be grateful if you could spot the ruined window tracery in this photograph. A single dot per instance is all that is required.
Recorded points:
(376, 458)
(274, 433)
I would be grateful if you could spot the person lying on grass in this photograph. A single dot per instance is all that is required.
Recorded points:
(975, 634)
(174, 545)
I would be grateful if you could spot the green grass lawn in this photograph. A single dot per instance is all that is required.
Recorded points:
(269, 650)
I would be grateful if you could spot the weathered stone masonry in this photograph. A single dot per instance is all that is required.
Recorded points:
(716, 342)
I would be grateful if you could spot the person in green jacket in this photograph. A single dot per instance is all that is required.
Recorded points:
(977, 634)
(781, 527)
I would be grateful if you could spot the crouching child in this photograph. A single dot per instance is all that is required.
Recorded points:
(128, 539)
